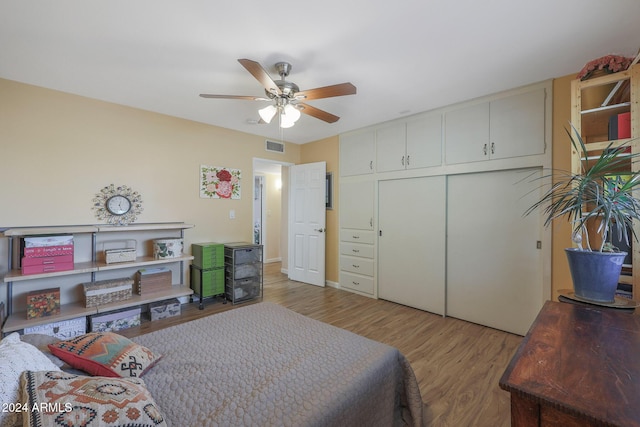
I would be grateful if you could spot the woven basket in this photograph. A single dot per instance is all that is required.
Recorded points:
(106, 291)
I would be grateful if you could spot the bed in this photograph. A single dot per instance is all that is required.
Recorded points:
(265, 365)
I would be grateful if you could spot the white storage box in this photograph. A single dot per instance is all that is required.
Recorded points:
(63, 329)
(120, 251)
(115, 320)
(170, 247)
(163, 309)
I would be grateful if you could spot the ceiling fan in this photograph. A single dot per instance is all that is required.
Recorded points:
(286, 96)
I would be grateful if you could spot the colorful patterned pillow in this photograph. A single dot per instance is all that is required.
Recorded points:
(15, 358)
(62, 399)
(106, 354)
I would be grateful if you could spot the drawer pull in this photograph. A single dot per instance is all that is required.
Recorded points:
(356, 250)
(355, 237)
(355, 266)
(355, 283)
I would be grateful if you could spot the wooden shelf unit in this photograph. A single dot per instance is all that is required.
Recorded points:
(593, 102)
(18, 320)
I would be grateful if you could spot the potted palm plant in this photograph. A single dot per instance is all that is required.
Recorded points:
(599, 198)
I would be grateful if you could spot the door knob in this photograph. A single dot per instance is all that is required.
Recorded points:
(319, 230)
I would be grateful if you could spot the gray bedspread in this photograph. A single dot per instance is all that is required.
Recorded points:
(265, 365)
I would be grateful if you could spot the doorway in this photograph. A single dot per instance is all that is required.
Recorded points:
(270, 199)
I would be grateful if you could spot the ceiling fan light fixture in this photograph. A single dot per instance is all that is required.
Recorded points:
(286, 122)
(267, 113)
(292, 113)
(288, 116)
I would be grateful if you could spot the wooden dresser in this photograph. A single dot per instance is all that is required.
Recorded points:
(578, 365)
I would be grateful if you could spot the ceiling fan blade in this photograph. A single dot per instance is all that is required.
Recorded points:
(328, 91)
(317, 113)
(261, 75)
(248, 98)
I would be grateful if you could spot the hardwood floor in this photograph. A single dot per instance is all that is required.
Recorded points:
(457, 364)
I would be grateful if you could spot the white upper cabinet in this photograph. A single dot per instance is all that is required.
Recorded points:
(467, 134)
(391, 147)
(424, 141)
(507, 127)
(356, 204)
(357, 153)
(517, 125)
(409, 145)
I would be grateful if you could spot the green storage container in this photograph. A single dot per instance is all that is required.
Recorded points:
(208, 255)
(212, 281)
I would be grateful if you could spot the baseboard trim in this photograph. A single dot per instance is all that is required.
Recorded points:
(331, 284)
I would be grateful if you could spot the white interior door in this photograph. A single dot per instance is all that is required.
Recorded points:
(494, 260)
(411, 242)
(307, 210)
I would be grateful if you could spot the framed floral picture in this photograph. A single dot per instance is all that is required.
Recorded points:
(219, 183)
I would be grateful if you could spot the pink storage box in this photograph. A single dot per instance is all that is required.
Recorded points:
(27, 262)
(40, 241)
(46, 251)
(47, 268)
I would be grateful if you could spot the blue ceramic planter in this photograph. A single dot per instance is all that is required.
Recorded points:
(595, 274)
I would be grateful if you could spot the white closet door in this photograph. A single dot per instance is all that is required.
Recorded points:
(411, 250)
(494, 267)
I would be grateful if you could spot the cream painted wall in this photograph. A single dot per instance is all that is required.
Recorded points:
(58, 150)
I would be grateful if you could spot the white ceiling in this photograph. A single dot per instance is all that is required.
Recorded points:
(403, 56)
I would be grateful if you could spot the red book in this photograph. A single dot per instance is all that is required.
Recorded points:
(624, 125)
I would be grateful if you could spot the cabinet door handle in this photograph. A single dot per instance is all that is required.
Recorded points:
(493, 148)
(370, 222)
(371, 165)
(484, 149)
(402, 161)
(407, 160)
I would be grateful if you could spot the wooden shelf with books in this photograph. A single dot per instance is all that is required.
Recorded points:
(606, 112)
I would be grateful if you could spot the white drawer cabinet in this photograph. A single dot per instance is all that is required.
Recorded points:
(357, 265)
(357, 236)
(356, 249)
(356, 282)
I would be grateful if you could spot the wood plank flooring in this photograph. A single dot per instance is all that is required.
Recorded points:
(457, 364)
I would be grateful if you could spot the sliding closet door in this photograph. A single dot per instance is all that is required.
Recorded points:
(494, 265)
(411, 242)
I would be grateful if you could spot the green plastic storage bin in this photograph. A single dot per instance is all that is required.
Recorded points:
(212, 281)
(208, 255)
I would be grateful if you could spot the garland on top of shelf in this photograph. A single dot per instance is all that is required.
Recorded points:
(608, 63)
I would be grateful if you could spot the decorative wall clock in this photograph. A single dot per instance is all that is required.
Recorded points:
(117, 205)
